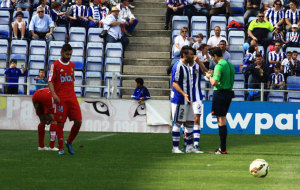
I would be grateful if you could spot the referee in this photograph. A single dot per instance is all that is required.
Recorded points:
(222, 80)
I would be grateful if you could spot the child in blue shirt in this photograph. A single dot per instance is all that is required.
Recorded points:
(41, 80)
(141, 93)
(12, 75)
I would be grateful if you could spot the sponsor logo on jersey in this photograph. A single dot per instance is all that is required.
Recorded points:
(60, 108)
(66, 78)
(61, 70)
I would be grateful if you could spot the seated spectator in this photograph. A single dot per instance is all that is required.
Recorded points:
(22, 5)
(226, 54)
(58, 17)
(252, 9)
(249, 56)
(197, 8)
(220, 7)
(276, 57)
(198, 43)
(105, 9)
(296, 62)
(288, 66)
(260, 30)
(113, 24)
(41, 26)
(95, 15)
(127, 16)
(19, 27)
(41, 80)
(6, 4)
(181, 40)
(43, 4)
(277, 36)
(275, 15)
(141, 93)
(256, 49)
(79, 15)
(276, 79)
(64, 4)
(203, 55)
(293, 38)
(267, 4)
(12, 75)
(215, 40)
(175, 7)
(292, 15)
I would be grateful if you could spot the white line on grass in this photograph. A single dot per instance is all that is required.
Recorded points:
(101, 137)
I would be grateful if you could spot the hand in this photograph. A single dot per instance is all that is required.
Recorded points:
(56, 99)
(35, 35)
(208, 75)
(175, 9)
(255, 39)
(131, 21)
(48, 34)
(127, 23)
(187, 98)
(96, 21)
(196, 58)
(254, 6)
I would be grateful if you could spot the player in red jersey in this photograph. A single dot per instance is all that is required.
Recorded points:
(61, 84)
(43, 105)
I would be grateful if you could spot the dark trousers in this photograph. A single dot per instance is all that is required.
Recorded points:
(221, 10)
(192, 11)
(170, 13)
(124, 40)
(129, 28)
(79, 23)
(12, 90)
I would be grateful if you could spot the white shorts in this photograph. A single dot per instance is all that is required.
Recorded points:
(197, 107)
(182, 112)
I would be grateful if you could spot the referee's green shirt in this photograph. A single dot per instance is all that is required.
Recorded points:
(224, 74)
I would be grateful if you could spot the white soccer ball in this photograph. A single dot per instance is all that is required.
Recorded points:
(259, 168)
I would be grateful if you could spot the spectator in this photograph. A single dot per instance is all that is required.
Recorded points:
(79, 15)
(113, 24)
(41, 80)
(277, 36)
(130, 5)
(288, 66)
(64, 4)
(41, 26)
(276, 57)
(259, 30)
(199, 40)
(95, 15)
(21, 5)
(58, 17)
(275, 15)
(292, 15)
(197, 7)
(256, 49)
(253, 7)
(13, 74)
(126, 15)
(203, 55)
(105, 9)
(43, 4)
(175, 7)
(226, 54)
(215, 40)
(141, 93)
(181, 40)
(276, 79)
(296, 62)
(267, 4)
(293, 38)
(249, 56)
(19, 27)
(220, 7)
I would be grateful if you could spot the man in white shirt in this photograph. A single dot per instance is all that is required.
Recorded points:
(127, 16)
(220, 7)
(215, 40)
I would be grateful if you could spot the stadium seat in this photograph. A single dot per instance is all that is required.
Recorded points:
(220, 21)
(199, 23)
(237, 52)
(21, 58)
(51, 59)
(94, 64)
(78, 91)
(32, 74)
(93, 35)
(60, 33)
(93, 79)
(252, 18)
(105, 93)
(3, 60)
(6, 7)
(19, 47)
(113, 64)
(276, 96)
(2, 80)
(78, 81)
(113, 50)
(21, 89)
(236, 37)
(239, 19)
(3, 52)
(194, 34)
(92, 92)
(210, 95)
(237, 8)
(239, 84)
(223, 33)
(94, 49)
(79, 62)
(108, 77)
(77, 34)
(262, 50)
(4, 32)
(173, 56)
(239, 77)
(293, 83)
(36, 62)
(78, 48)
(55, 47)
(174, 34)
(293, 97)
(4, 17)
(38, 47)
(180, 21)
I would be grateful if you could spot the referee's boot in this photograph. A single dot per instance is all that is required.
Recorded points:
(219, 151)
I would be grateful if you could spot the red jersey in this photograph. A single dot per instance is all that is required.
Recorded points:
(62, 76)
(43, 103)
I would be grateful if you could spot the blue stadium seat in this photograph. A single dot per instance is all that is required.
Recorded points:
(4, 17)
(113, 50)
(92, 92)
(194, 34)
(60, 33)
(93, 79)
(223, 33)
(210, 95)
(220, 21)
(78, 48)
(93, 35)
(94, 64)
(237, 8)
(79, 62)
(113, 64)
(173, 56)
(94, 49)
(3, 60)
(19, 47)
(21, 89)
(236, 52)
(55, 47)
(4, 32)
(174, 34)
(78, 81)
(21, 58)
(51, 59)
(293, 83)
(239, 19)
(38, 47)
(236, 37)
(37, 62)
(293, 97)
(239, 77)
(6, 7)
(26, 17)
(77, 34)
(2, 80)
(105, 93)
(180, 21)
(32, 74)
(252, 18)
(108, 77)
(276, 96)
(78, 91)
(239, 84)
(199, 23)
(3, 52)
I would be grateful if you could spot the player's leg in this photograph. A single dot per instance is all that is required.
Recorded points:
(41, 133)
(60, 137)
(197, 108)
(222, 133)
(60, 116)
(53, 131)
(176, 116)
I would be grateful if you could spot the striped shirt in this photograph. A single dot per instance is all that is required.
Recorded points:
(293, 37)
(95, 12)
(197, 94)
(277, 37)
(274, 16)
(276, 79)
(287, 65)
(78, 11)
(294, 17)
(175, 3)
(273, 56)
(182, 74)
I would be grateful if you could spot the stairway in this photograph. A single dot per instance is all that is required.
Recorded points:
(149, 50)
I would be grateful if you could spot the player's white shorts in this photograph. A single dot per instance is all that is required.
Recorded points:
(182, 112)
(197, 107)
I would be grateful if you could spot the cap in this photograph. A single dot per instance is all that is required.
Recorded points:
(294, 26)
(114, 9)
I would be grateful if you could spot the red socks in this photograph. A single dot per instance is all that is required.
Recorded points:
(74, 131)
(41, 133)
(52, 132)
(60, 136)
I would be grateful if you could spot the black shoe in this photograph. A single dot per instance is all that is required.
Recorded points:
(166, 27)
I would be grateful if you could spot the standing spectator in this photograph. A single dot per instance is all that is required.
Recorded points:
(181, 40)
(13, 74)
(276, 57)
(43, 4)
(58, 17)
(141, 93)
(292, 15)
(275, 15)
(21, 5)
(253, 7)
(276, 79)
(197, 8)
(127, 16)
(198, 42)
(19, 27)
(79, 15)
(215, 40)
(220, 7)
(288, 66)
(95, 15)
(277, 36)
(175, 7)
(41, 80)
(113, 24)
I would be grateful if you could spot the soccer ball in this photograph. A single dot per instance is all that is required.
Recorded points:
(259, 168)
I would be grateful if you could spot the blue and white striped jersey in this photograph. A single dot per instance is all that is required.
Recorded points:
(78, 11)
(197, 94)
(95, 12)
(273, 56)
(276, 79)
(293, 16)
(274, 16)
(182, 74)
(293, 37)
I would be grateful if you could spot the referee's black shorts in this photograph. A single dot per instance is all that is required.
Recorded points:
(221, 102)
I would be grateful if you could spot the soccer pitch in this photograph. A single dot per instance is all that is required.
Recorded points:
(144, 161)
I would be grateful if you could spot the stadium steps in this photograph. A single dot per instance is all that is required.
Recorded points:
(150, 33)
(147, 54)
(149, 4)
(146, 62)
(153, 40)
(142, 47)
(151, 26)
(155, 11)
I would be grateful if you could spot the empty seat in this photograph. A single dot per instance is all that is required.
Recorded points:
(93, 35)
(4, 17)
(180, 21)
(276, 96)
(237, 7)
(94, 49)
(93, 79)
(78, 48)
(4, 31)
(19, 47)
(194, 34)
(105, 93)
(113, 50)
(79, 62)
(237, 52)
(236, 37)
(51, 59)
(78, 91)
(220, 21)
(78, 77)
(94, 64)
(77, 34)
(113, 64)
(55, 47)
(293, 97)
(21, 59)
(38, 47)
(60, 33)
(3, 46)
(199, 23)
(21, 89)
(3, 60)
(239, 77)
(32, 74)
(2, 80)
(293, 83)
(108, 78)
(36, 62)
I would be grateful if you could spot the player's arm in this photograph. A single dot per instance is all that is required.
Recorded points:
(178, 89)
(201, 65)
(54, 95)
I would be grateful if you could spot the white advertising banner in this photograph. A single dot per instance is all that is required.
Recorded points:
(106, 115)
(158, 112)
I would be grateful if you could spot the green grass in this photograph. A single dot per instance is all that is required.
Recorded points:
(144, 161)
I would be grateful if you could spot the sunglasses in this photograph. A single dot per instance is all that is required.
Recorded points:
(260, 16)
(40, 11)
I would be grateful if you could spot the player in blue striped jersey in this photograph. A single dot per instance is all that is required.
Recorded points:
(78, 17)
(292, 15)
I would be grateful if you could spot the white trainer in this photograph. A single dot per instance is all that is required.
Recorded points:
(131, 6)
(193, 150)
(43, 148)
(176, 151)
(53, 149)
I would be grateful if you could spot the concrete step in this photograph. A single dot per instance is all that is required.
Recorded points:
(147, 62)
(144, 70)
(145, 4)
(152, 33)
(147, 83)
(149, 1)
(150, 11)
(151, 48)
(152, 40)
(147, 18)
(146, 55)
(152, 92)
(152, 97)
(150, 26)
